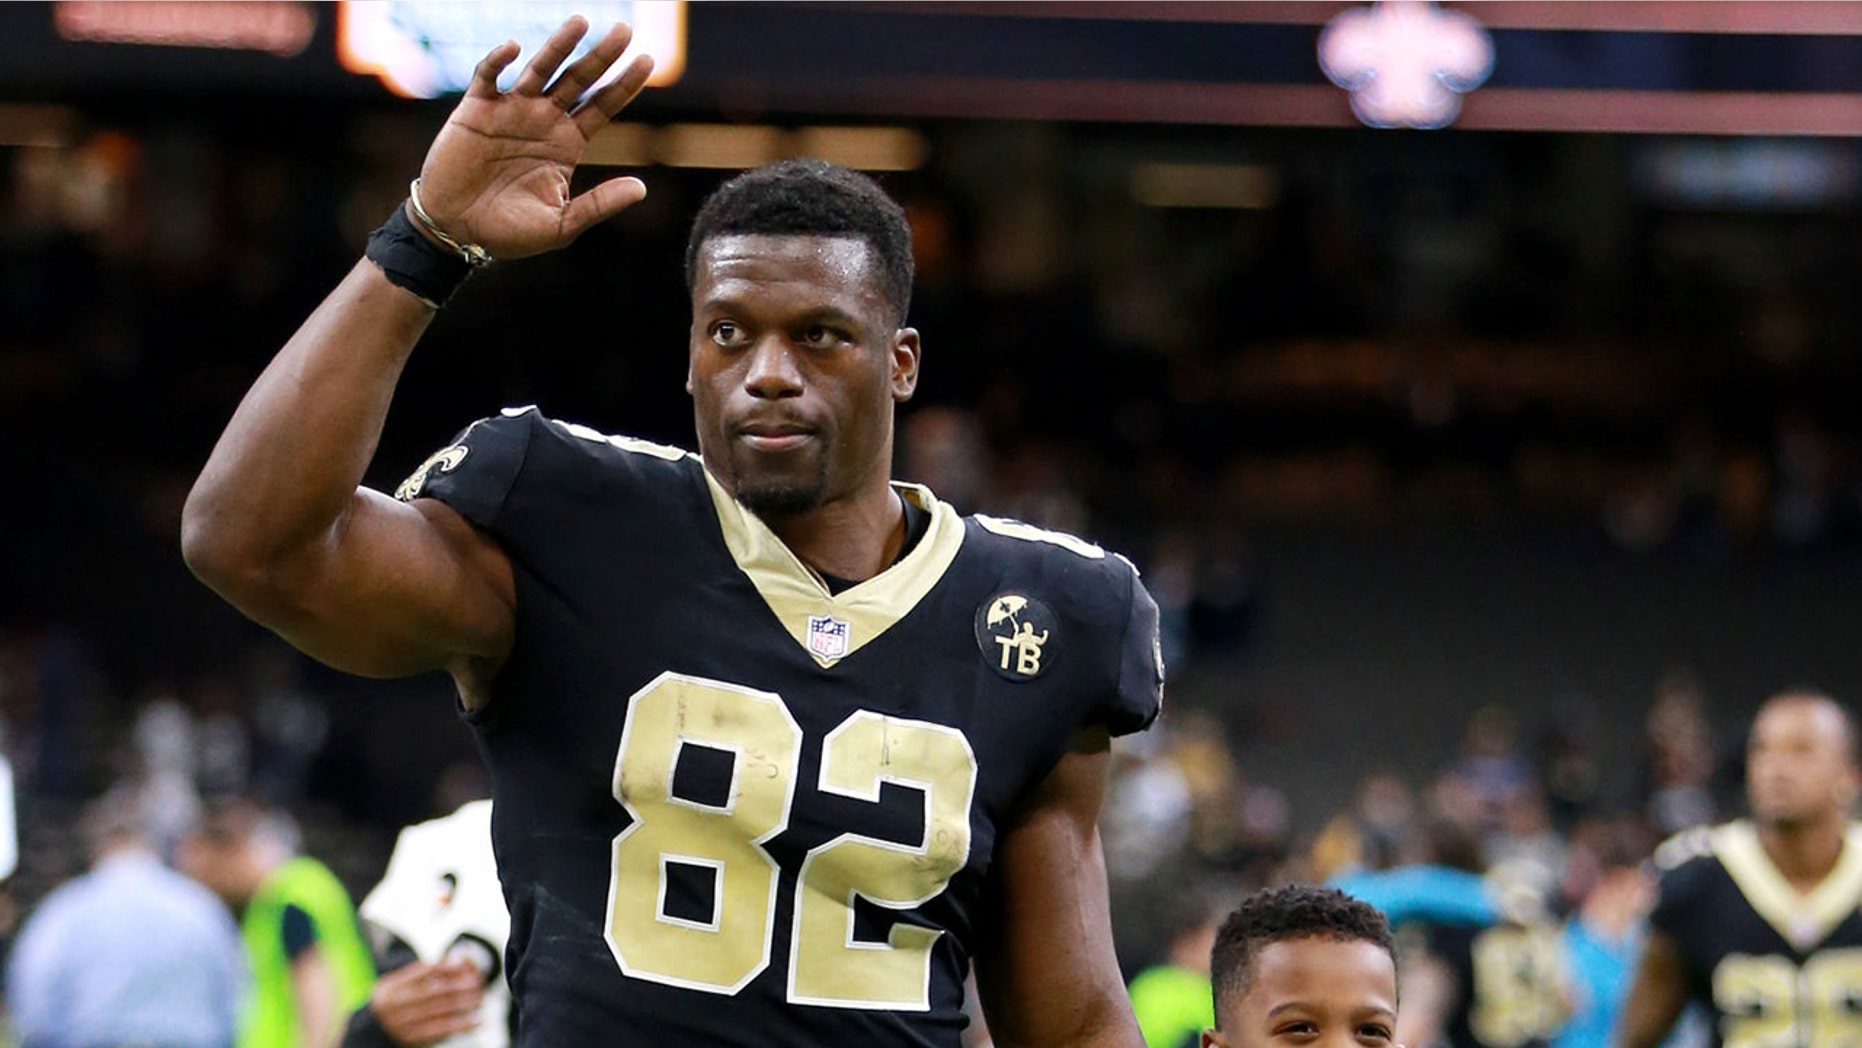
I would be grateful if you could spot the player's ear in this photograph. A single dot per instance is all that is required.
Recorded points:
(1848, 786)
(1213, 1039)
(905, 353)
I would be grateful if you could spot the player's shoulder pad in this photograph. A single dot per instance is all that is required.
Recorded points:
(1015, 529)
(494, 450)
(497, 437)
(1083, 564)
(591, 438)
(1684, 847)
(1087, 576)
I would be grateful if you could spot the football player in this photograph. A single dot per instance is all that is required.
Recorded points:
(780, 746)
(1757, 919)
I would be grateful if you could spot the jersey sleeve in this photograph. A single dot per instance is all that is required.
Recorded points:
(297, 931)
(1139, 694)
(475, 473)
(1677, 896)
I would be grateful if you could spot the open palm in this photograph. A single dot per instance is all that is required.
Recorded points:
(497, 175)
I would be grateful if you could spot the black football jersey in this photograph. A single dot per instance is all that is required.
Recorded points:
(731, 807)
(1503, 958)
(1509, 982)
(1776, 968)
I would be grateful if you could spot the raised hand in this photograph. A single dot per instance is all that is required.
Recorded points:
(497, 175)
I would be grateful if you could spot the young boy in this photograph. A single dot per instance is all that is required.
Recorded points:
(1304, 967)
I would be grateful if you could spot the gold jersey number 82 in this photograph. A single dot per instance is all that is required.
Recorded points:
(827, 964)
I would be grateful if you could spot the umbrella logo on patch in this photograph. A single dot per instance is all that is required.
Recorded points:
(1015, 632)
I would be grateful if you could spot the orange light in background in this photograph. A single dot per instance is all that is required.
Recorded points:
(428, 48)
(717, 145)
(864, 148)
(750, 145)
(620, 145)
(37, 125)
(283, 28)
(1245, 187)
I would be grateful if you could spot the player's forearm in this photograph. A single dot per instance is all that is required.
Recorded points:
(1053, 977)
(285, 471)
(1656, 997)
(1100, 1024)
(1642, 1026)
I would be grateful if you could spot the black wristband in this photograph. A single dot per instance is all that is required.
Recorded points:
(410, 261)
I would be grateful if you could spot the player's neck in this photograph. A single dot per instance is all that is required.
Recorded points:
(854, 538)
(1805, 852)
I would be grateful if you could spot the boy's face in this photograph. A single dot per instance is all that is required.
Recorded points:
(1312, 993)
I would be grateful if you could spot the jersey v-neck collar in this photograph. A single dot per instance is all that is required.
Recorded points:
(831, 626)
(1805, 919)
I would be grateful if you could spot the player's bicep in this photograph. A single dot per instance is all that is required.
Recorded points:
(397, 588)
(1047, 972)
(1656, 997)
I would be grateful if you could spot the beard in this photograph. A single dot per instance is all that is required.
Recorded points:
(786, 494)
(1783, 821)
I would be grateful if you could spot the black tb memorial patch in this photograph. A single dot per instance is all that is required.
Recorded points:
(1017, 635)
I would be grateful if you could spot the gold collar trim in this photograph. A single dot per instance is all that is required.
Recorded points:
(1805, 919)
(829, 626)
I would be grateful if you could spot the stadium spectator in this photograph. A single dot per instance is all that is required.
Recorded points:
(1172, 999)
(164, 746)
(1603, 939)
(131, 953)
(310, 967)
(439, 924)
(1681, 755)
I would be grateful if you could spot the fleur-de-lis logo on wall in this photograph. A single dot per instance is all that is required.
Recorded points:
(1406, 62)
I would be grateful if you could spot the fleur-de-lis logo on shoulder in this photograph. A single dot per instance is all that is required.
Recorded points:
(443, 461)
(1406, 62)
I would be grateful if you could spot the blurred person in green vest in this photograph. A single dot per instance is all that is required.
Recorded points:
(1172, 998)
(310, 965)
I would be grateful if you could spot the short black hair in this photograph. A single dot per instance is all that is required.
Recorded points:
(1296, 911)
(1805, 693)
(808, 197)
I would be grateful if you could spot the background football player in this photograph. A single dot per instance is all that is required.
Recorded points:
(1758, 920)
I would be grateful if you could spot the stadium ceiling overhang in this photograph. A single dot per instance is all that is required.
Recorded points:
(1738, 67)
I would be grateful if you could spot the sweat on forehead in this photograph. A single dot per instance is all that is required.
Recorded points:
(842, 261)
(811, 198)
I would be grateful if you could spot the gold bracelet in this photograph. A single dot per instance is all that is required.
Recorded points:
(474, 255)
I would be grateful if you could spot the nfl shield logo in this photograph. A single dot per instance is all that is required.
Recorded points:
(827, 636)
